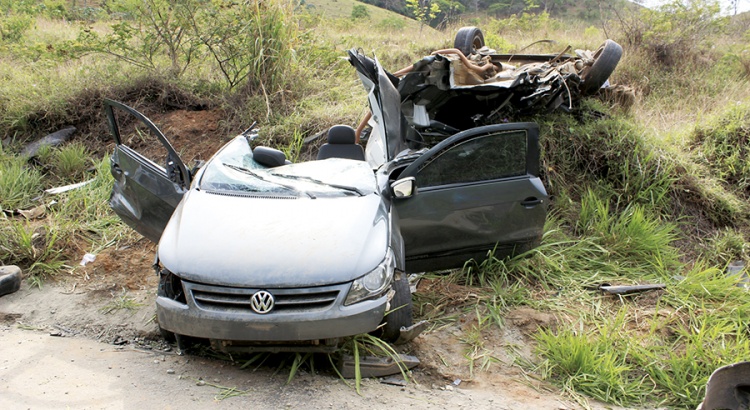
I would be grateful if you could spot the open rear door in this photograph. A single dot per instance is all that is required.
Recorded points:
(145, 193)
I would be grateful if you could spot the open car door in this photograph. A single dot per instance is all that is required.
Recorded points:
(385, 105)
(478, 190)
(145, 193)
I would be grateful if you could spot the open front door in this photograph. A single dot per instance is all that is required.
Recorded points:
(145, 193)
(478, 190)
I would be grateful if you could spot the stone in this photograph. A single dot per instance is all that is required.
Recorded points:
(10, 279)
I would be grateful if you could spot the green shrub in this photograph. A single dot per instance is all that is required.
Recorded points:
(13, 27)
(359, 11)
(676, 33)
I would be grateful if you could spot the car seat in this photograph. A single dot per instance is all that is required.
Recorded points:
(269, 157)
(341, 144)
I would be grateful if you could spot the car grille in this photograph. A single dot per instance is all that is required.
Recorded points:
(237, 300)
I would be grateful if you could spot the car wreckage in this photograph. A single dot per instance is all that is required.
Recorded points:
(259, 254)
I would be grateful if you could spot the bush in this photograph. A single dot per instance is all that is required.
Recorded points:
(359, 11)
(13, 27)
(674, 34)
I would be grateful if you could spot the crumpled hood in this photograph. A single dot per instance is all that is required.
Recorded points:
(274, 242)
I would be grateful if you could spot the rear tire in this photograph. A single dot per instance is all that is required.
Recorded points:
(605, 61)
(469, 39)
(401, 310)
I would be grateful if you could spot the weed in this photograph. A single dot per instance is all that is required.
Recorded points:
(19, 183)
(723, 146)
(120, 302)
(70, 162)
(365, 344)
(34, 249)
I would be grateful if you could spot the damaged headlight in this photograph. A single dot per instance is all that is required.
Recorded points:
(375, 283)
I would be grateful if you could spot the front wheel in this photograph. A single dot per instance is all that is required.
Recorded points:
(400, 314)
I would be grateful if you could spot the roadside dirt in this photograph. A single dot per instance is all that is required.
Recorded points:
(89, 340)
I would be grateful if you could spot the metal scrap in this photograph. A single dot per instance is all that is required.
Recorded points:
(629, 289)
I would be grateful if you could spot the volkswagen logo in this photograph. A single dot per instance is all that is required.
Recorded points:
(261, 302)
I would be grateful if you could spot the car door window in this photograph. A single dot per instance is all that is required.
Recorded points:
(133, 130)
(489, 157)
(149, 177)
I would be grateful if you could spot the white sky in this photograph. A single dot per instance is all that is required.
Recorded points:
(742, 5)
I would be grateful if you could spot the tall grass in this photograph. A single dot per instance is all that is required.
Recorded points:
(19, 183)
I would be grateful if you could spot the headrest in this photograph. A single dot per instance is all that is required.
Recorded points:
(341, 134)
(269, 157)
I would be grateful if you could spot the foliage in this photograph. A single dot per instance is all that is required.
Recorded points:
(12, 27)
(251, 41)
(154, 28)
(675, 33)
(423, 11)
(248, 41)
(359, 11)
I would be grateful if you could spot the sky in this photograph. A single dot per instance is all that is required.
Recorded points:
(743, 5)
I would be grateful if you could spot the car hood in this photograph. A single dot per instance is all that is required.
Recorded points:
(267, 242)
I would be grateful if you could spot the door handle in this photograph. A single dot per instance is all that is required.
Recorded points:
(531, 202)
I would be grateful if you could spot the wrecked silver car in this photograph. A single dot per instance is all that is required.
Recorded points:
(257, 253)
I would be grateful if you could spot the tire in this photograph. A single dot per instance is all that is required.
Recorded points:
(605, 61)
(401, 310)
(469, 39)
(168, 336)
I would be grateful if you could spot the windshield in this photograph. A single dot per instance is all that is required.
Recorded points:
(233, 170)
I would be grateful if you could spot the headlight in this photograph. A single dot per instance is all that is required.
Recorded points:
(375, 283)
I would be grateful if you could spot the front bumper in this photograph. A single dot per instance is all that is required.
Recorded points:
(223, 313)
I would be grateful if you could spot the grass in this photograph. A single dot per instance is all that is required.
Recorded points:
(120, 302)
(657, 194)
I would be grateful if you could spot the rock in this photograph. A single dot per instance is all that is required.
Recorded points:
(10, 279)
(52, 140)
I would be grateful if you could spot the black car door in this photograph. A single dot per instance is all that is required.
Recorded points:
(145, 193)
(478, 190)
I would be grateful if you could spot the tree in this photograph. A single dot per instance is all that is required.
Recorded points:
(423, 11)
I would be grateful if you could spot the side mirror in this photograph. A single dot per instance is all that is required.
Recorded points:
(404, 188)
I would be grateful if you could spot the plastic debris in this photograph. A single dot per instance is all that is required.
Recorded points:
(88, 258)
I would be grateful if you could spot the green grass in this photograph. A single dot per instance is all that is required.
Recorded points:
(657, 194)
(120, 302)
(20, 183)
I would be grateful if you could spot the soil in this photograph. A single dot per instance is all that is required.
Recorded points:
(89, 340)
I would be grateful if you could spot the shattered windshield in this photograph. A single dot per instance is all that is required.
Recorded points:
(233, 170)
